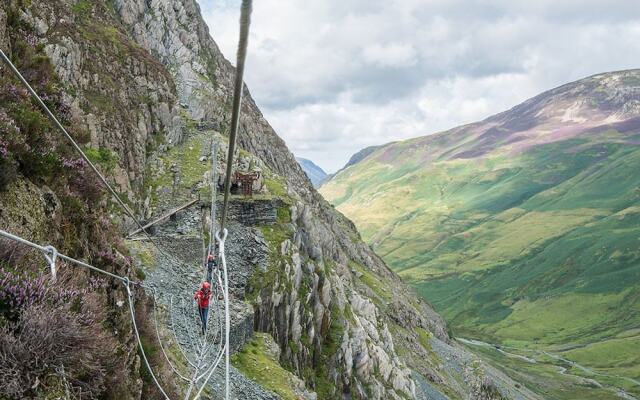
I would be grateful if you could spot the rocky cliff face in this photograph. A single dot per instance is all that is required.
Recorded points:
(121, 95)
(48, 197)
(139, 75)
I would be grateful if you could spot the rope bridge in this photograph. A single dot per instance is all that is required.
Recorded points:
(211, 350)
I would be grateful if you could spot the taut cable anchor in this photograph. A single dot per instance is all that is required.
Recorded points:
(223, 239)
(127, 284)
(51, 254)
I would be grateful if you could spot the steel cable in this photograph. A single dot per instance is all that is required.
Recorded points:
(245, 22)
(135, 328)
(155, 320)
(125, 280)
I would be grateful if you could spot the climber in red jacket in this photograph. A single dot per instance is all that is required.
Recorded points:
(202, 297)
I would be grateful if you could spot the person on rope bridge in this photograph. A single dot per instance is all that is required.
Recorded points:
(211, 265)
(202, 297)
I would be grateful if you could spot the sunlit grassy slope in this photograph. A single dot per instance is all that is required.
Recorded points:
(523, 229)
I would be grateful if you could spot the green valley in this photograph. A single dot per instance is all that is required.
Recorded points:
(523, 230)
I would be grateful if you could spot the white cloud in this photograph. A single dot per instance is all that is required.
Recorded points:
(333, 76)
(390, 55)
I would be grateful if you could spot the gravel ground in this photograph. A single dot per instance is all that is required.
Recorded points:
(425, 391)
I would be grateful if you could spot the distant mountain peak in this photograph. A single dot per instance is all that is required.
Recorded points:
(313, 171)
(594, 104)
(361, 155)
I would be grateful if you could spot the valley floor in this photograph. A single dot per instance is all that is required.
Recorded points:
(594, 371)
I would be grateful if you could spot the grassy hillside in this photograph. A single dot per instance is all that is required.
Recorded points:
(523, 229)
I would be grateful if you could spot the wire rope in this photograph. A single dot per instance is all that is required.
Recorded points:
(155, 320)
(245, 22)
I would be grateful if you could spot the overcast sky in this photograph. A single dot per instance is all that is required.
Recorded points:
(335, 76)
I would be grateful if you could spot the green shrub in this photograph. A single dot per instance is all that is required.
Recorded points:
(103, 157)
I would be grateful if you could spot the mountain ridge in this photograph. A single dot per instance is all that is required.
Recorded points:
(506, 223)
(315, 173)
(513, 114)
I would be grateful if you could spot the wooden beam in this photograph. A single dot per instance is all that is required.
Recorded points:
(164, 216)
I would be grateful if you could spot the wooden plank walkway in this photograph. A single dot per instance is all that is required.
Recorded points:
(164, 216)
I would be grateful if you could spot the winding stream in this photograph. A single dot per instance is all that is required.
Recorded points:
(560, 369)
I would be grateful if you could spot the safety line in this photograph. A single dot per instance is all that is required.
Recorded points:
(186, 312)
(173, 328)
(46, 250)
(51, 254)
(155, 320)
(204, 350)
(219, 352)
(205, 252)
(201, 353)
(245, 22)
(135, 328)
(218, 312)
(51, 250)
(214, 192)
(225, 287)
(208, 374)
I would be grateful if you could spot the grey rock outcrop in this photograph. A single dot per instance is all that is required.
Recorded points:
(176, 34)
(126, 106)
(4, 39)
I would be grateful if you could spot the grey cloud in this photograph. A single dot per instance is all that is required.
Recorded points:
(334, 73)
